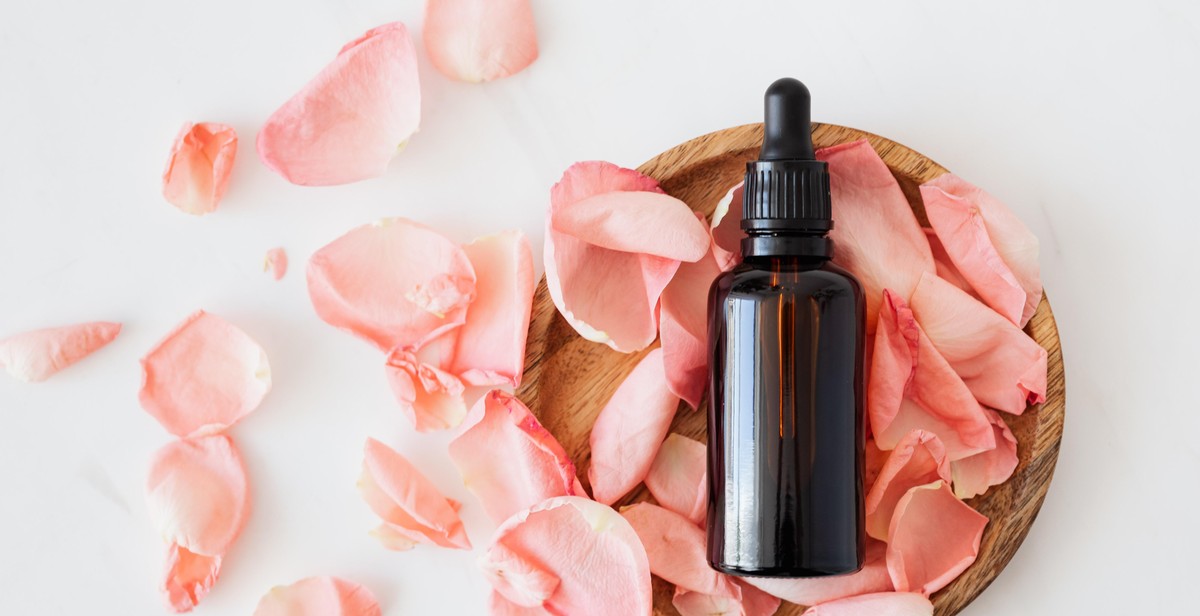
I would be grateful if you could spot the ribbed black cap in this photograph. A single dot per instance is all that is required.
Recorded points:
(787, 189)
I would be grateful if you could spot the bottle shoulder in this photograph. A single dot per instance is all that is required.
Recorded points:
(775, 275)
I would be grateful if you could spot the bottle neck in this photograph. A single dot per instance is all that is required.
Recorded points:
(787, 244)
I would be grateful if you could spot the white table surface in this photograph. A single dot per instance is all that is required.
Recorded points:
(1081, 116)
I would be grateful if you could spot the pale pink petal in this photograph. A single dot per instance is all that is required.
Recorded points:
(490, 346)
(480, 40)
(395, 282)
(912, 387)
(508, 460)
(876, 604)
(933, 538)
(875, 235)
(349, 121)
(873, 577)
(499, 606)
(204, 376)
(919, 458)
(409, 504)
(643, 222)
(188, 578)
(975, 474)
(276, 262)
(683, 326)
(726, 229)
(990, 246)
(518, 580)
(319, 596)
(753, 602)
(678, 477)
(594, 553)
(945, 267)
(1000, 364)
(630, 428)
(676, 549)
(608, 296)
(431, 398)
(197, 172)
(36, 355)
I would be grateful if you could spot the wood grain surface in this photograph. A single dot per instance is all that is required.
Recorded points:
(568, 379)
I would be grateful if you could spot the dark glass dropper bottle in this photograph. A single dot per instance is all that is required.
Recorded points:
(786, 331)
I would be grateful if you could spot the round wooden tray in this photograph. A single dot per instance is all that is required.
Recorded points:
(568, 379)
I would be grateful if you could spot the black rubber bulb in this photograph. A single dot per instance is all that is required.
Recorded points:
(787, 122)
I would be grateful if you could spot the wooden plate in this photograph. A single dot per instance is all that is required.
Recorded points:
(568, 379)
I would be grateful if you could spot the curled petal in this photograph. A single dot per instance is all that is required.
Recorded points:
(877, 236)
(975, 474)
(204, 376)
(480, 40)
(276, 262)
(508, 460)
(676, 549)
(726, 229)
(188, 577)
(432, 398)
(919, 458)
(561, 534)
(754, 602)
(945, 267)
(677, 478)
(873, 577)
(991, 248)
(412, 508)
(395, 283)
(876, 604)
(933, 538)
(36, 355)
(348, 122)
(197, 172)
(319, 596)
(490, 346)
(1004, 368)
(630, 428)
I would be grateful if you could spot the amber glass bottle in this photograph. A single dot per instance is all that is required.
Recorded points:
(786, 333)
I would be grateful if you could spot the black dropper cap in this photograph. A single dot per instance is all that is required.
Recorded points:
(787, 189)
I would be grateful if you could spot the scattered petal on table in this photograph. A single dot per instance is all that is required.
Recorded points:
(873, 577)
(991, 248)
(676, 549)
(558, 536)
(630, 428)
(490, 346)
(319, 596)
(431, 398)
(678, 477)
(197, 172)
(395, 282)
(412, 508)
(276, 262)
(36, 355)
(480, 40)
(1002, 366)
(933, 538)
(918, 459)
(876, 604)
(204, 376)
(877, 237)
(188, 577)
(349, 121)
(508, 460)
(975, 474)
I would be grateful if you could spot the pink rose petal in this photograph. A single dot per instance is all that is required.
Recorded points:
(919, 458)
(988, 244)
(319, 596)
(276, 262)
(480, 40)
(607, 295)
(197, 172)
(876, 604)
(945, 267)
(753, 602)
(630, 428)
(508, 460)
(490, 346)
(875, 236)
(874, 458)
(349, 121)
(594, 553)
(912, 387)
(678, 477)
(1000, 364)
(198, 499)
(933, 538)
(35, 356)
(975, 474)
(499, 606)
(518, 580)
(395, 282)
(431, 398)
(873, 577)
(412, 508)
(726, 229)
(204, 376)
(676, 549)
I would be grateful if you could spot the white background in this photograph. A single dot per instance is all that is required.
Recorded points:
(1081, 116)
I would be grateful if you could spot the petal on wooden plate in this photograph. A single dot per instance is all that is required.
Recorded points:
(753, 602)
(933, 538)
(519, 580)
(197, 172)
(431, 397)
(508, 460)
(319, 596)
(349, 121)
(919, 458)
(630, 429)
(480, 40)
(35, 356)
(204, 376)
(676, 549)
(873, 577)
(726, 229)
(876, 604)
(396, 283)
(276, 262)
(644, 222)
(678, 477)
(412, 508)
(975, 474)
